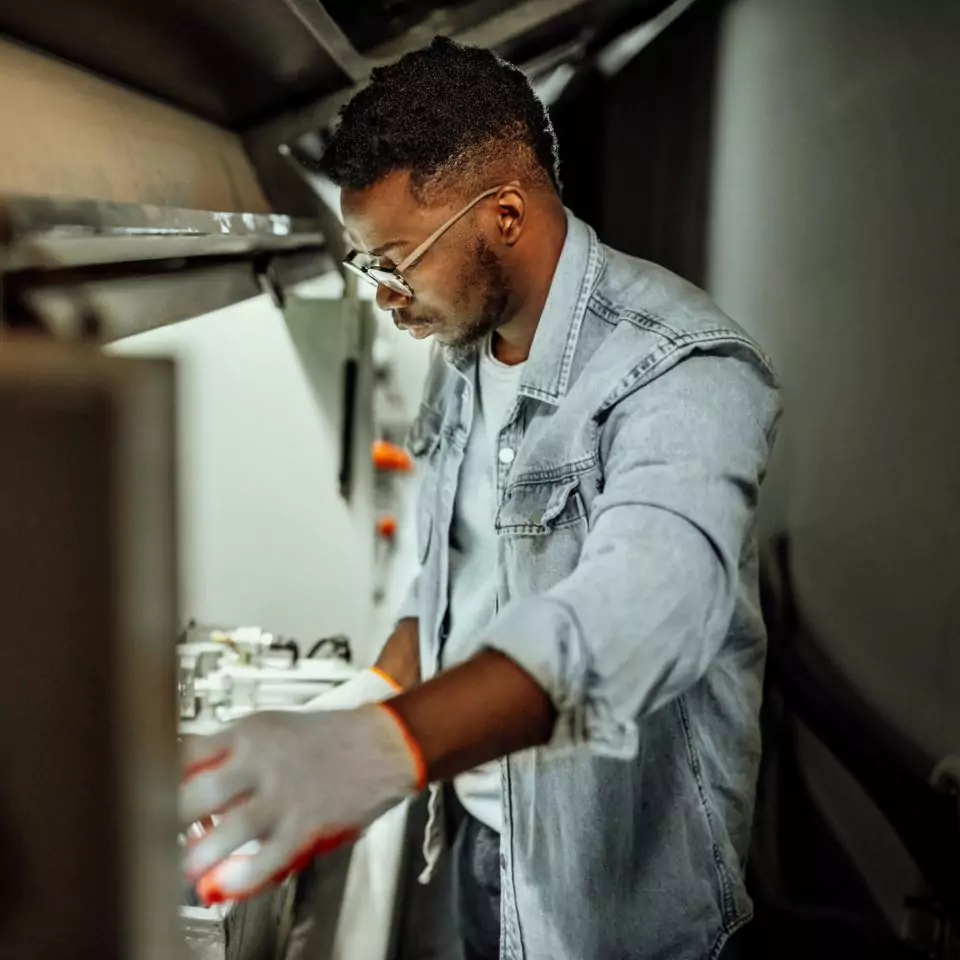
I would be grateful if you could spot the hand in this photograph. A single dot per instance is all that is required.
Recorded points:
(300, 783)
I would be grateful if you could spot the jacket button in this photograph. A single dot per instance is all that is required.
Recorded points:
(506, 455)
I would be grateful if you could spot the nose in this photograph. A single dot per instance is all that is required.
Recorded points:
(390, 299)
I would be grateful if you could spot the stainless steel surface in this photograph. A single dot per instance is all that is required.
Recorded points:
(617, 54)
(112, 270)
(326, 31)
(520, 18)
(229, 61)
(47, 233)
(128, 304)
(250, 930)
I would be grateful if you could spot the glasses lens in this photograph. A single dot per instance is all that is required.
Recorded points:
(377, 275)
(361, 271)
(392, 281)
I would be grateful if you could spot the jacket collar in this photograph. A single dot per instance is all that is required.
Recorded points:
(546, 374)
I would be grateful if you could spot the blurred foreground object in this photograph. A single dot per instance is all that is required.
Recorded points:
(87, 606)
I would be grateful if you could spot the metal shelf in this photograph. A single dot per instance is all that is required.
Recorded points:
(84, 267)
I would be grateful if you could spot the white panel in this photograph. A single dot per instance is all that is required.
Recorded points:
(265, 537)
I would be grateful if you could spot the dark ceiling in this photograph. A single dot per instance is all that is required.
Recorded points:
(240, 62)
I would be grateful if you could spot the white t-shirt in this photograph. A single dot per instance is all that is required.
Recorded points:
(473, 554)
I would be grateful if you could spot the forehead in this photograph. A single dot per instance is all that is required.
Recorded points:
(386, 212)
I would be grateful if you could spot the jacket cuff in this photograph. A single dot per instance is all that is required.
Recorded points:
(542, 636)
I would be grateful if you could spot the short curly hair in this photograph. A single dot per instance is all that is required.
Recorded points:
(453, 116)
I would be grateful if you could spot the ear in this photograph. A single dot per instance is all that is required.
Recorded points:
(511, 212)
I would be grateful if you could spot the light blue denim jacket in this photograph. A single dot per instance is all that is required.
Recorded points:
(627, 483)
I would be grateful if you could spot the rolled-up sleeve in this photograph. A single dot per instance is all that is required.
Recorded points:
(650, 602)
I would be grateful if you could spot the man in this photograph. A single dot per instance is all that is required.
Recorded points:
(591, 443)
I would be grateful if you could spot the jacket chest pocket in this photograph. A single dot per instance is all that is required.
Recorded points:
(538, 509)
(541, 527)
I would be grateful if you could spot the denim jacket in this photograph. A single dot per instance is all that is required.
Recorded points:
(627, 481)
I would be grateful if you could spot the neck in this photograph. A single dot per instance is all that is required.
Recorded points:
(534, 275)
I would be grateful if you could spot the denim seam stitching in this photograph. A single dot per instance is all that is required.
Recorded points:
(729, 907)
(647, 368)
(587, 285)
(728, 930)
(558, 474)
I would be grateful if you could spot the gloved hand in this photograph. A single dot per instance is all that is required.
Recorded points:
(300, 783)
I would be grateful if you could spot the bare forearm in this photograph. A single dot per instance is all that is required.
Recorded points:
(483, 709)
(400, 657)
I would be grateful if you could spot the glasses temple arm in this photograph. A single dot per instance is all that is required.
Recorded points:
(414, 256)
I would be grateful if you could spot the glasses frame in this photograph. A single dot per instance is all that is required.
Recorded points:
(392, 277)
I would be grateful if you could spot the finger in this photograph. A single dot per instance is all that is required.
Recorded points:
(200, 753)
(247, 821)
(214, 791)
(241, 878)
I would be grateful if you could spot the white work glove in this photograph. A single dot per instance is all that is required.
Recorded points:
(301, 784)
(368, 686)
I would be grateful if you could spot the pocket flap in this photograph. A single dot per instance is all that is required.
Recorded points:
(538, 508)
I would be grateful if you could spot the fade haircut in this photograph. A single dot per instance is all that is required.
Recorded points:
(459, 119)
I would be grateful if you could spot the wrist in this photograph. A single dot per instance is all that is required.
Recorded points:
(480, 710)
(414, 754)
(400, 657)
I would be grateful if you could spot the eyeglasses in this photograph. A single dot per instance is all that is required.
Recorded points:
(365, 265)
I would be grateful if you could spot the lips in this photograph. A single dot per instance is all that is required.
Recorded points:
(417, 328)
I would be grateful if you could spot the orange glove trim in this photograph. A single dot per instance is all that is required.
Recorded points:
(202, 766)
(386, 676)
(416, 754)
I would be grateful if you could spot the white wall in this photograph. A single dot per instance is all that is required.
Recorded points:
(266, 538)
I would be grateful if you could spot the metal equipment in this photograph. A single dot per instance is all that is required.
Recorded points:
(227, 673)
(327, 911)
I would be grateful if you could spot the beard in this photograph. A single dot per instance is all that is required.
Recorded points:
(486, 274)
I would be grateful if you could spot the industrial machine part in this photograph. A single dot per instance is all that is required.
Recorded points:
(225, 673)
(244, 931)
(342, 906)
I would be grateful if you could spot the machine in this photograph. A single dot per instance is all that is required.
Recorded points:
(327, 911)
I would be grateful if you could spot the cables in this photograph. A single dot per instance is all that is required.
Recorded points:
(337, 647)
(290, 645)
